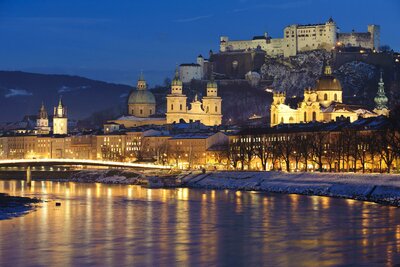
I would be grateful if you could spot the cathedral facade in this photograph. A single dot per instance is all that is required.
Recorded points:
(323, 104)
(208, 111)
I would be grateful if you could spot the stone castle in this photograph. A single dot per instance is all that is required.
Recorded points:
(300, 38)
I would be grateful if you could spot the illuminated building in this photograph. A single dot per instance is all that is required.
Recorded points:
(322, 104)
(60, 120)
(208, 111)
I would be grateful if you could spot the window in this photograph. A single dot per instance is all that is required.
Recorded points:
(172, 106)
(325, 97)
(282, 120)
(335, 97)
(141, 111)
(151, 111)
(305, 116)
(314, 116)
(180, 106)
(216, 109)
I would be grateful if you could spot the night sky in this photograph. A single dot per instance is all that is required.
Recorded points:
(113, 40)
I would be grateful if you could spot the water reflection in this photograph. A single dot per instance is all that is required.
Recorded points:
(113, 225)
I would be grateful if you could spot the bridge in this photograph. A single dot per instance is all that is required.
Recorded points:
(29, 163)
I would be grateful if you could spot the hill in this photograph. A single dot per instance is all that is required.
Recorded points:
(22, 93)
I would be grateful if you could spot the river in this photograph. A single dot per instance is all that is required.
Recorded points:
(119, 225)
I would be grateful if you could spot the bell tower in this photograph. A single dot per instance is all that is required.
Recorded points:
(381, 99)
(212, 103)
(60, 120)
(42, 122)
(176, 101)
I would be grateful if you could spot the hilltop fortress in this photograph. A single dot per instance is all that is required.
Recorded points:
(299, 38)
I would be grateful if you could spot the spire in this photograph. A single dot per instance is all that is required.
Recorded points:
(60, 104)
(381, 99)
(42, 112)
(141, 76)
(176, 81)
(60, 111)
(141, 83)
(212, 83)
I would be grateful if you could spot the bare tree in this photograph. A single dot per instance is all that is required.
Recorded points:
(286, 148)
(262, 150)
(387, 147)
(318, 148)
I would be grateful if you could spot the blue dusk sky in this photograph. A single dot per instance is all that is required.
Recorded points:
(112, 40)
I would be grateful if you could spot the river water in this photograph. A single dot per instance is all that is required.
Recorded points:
(119, 225)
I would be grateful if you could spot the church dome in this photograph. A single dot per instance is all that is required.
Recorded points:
(141, 97)
(328, 82)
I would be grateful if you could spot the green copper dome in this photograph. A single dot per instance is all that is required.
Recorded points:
(176, 81)
(211, 83)
(141, 97)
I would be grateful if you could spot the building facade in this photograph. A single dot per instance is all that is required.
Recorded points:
(208, 111)
(322, 104)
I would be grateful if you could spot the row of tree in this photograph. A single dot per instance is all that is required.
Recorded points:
(343, 151)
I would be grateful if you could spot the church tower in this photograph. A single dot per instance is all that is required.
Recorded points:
(212, 103)
(176, 101)
(381, 99)
(42, 121)
(60, 120)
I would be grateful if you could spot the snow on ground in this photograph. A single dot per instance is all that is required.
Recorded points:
(382, 188)
(107, 177)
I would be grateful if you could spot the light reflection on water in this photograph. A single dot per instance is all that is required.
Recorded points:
(115, 225)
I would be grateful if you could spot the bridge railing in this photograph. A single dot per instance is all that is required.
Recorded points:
(81, 162)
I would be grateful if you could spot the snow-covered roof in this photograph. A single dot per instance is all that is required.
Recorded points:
(134, 118)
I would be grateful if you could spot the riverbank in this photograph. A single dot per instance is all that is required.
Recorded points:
(11, 206)
(379, 188)
(152, 178)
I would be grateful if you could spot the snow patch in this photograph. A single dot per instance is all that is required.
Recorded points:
(17, 92)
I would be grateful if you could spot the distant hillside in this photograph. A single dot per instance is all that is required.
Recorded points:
(22, 93)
